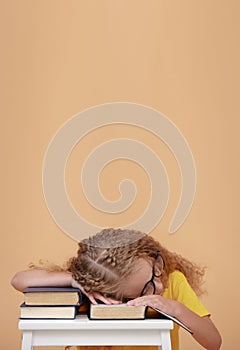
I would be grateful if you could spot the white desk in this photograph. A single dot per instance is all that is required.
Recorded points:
(83, 332)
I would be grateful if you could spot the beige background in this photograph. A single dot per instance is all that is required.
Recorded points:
(180, 57)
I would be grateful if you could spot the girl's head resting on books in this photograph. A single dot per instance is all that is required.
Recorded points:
(119, 263)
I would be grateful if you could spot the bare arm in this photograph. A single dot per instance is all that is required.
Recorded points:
(37, 278)
(204, 330)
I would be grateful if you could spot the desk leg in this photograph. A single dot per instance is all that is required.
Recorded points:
(166, 340)
(27, 340)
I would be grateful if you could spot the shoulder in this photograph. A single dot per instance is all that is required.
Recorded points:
(179, 289)
(176, 277)
(177, 284)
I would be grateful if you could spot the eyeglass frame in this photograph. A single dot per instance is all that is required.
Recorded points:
(151, 281)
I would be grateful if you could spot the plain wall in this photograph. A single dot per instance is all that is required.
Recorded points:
(179, 57)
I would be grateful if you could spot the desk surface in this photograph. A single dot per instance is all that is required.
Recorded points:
(82, 322)
(85, 332)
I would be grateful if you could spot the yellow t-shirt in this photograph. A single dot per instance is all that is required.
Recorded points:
(180, 290)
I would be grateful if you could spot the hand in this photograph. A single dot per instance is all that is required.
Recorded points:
(93, 297)
(163, 304)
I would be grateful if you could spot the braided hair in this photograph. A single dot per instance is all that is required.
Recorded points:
(104, 260)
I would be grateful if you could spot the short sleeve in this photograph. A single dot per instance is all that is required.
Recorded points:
(180, 290)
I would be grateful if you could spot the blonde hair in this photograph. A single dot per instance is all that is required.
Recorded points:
(103, 261)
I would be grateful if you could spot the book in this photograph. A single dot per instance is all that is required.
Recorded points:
(123, 312)
(116, 311)
(48, 312)
(52, 296)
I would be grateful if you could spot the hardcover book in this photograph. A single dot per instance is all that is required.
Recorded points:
(123, 312)
(52, 296)
(48, 312)
(116, 311)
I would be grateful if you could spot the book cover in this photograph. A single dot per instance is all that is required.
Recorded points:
(52, 296)
(169, 317)
(50, 289)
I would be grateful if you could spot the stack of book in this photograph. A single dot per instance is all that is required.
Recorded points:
(50, 303)
(67, 302)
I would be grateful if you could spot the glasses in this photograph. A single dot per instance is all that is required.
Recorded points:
(150, 287)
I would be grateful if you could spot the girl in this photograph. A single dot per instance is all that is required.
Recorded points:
(134, 266)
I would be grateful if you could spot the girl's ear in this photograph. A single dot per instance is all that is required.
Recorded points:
(159, 267)
(158, 271)
(159, 263)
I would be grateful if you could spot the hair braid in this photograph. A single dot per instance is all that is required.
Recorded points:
(101, 269)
